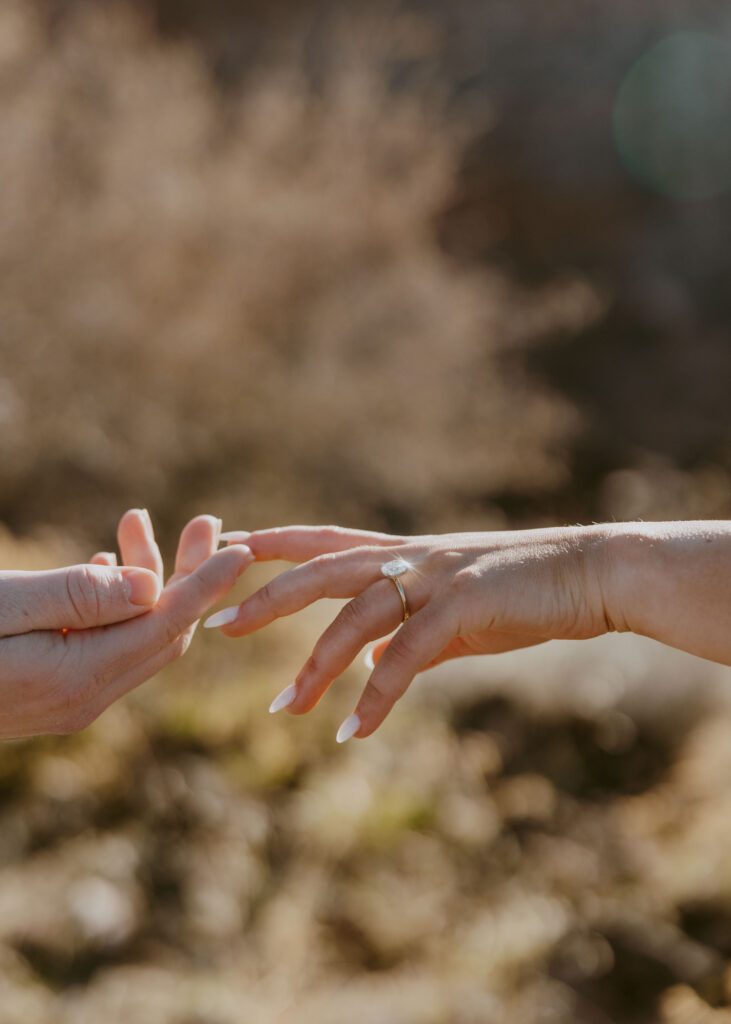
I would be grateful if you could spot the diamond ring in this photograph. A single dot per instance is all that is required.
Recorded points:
(392, 570)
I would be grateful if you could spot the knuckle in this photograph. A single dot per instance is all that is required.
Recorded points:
(82, 594)
(350, 615)
(463, 581)
(180, 615)
(376, 692)
(402, 648)
(316, 663)
(320, 566)
(218, 572)
(446, 559)
(267, 594)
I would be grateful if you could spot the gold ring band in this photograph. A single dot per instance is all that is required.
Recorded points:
(402, 594)
(391, 571)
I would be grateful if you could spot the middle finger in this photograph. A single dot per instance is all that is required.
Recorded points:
(370, 615)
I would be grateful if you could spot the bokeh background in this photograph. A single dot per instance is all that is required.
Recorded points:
(408, 266)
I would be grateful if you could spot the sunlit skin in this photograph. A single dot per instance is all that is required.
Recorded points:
(485, 593)
(74, 640)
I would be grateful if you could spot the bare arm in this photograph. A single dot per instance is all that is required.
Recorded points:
(671, 582)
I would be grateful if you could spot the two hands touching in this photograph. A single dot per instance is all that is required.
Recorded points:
(74, 640)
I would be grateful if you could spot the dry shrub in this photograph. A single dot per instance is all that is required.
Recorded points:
(239, 301)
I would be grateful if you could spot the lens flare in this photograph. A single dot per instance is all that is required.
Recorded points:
(672, 117)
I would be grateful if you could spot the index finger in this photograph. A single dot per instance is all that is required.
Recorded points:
(137, 543)
(301, 543)
(336, 575)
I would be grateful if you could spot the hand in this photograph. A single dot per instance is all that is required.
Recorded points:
(74, 640)
(478, 593)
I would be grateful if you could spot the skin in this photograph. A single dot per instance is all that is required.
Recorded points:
(485, 593)
(71, 640)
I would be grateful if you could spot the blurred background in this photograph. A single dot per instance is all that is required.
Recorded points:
(410, 266)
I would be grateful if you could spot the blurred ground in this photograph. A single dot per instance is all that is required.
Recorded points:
(375, 264)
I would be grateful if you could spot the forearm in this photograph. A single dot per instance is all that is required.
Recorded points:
(672, 582)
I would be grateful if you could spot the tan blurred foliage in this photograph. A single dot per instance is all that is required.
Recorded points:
(237, 301)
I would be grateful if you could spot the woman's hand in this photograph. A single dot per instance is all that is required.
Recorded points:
(480, 593)
(74, 640)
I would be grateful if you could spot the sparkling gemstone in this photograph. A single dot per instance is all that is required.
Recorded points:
(395, 568)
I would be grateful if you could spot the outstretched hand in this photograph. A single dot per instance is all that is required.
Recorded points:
(481, 593)
(74, 640)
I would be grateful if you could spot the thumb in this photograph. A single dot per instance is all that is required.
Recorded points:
(77, 597)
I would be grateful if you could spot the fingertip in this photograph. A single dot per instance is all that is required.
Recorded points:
(284, 699)
(225, 617)
(198, 541)
(234, 537)
(349, 728)
(244, 555)
(137, 515)
(104, 558)
(374, 653)
(212, 522)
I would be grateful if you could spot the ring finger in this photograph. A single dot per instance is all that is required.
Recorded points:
(372, 614)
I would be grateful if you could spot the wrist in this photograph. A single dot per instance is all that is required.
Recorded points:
(637, 564)
(612, 552)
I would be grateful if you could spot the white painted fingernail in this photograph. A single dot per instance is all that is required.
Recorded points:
(368, 659)
(222, 618)
(234, 537)
(285, 698)
(349, 728)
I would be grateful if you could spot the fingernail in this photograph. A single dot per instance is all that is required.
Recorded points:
(368, 659)
(143, 586)
(222, 618)
(235, 536)
(144, 515)
(284, 699)
(244, 565)
(348, 729)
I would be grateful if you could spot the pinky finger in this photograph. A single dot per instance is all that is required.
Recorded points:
(419, 641)
(463, 647)
(104, 558)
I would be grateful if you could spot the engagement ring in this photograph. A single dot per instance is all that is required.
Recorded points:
(392, 570)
